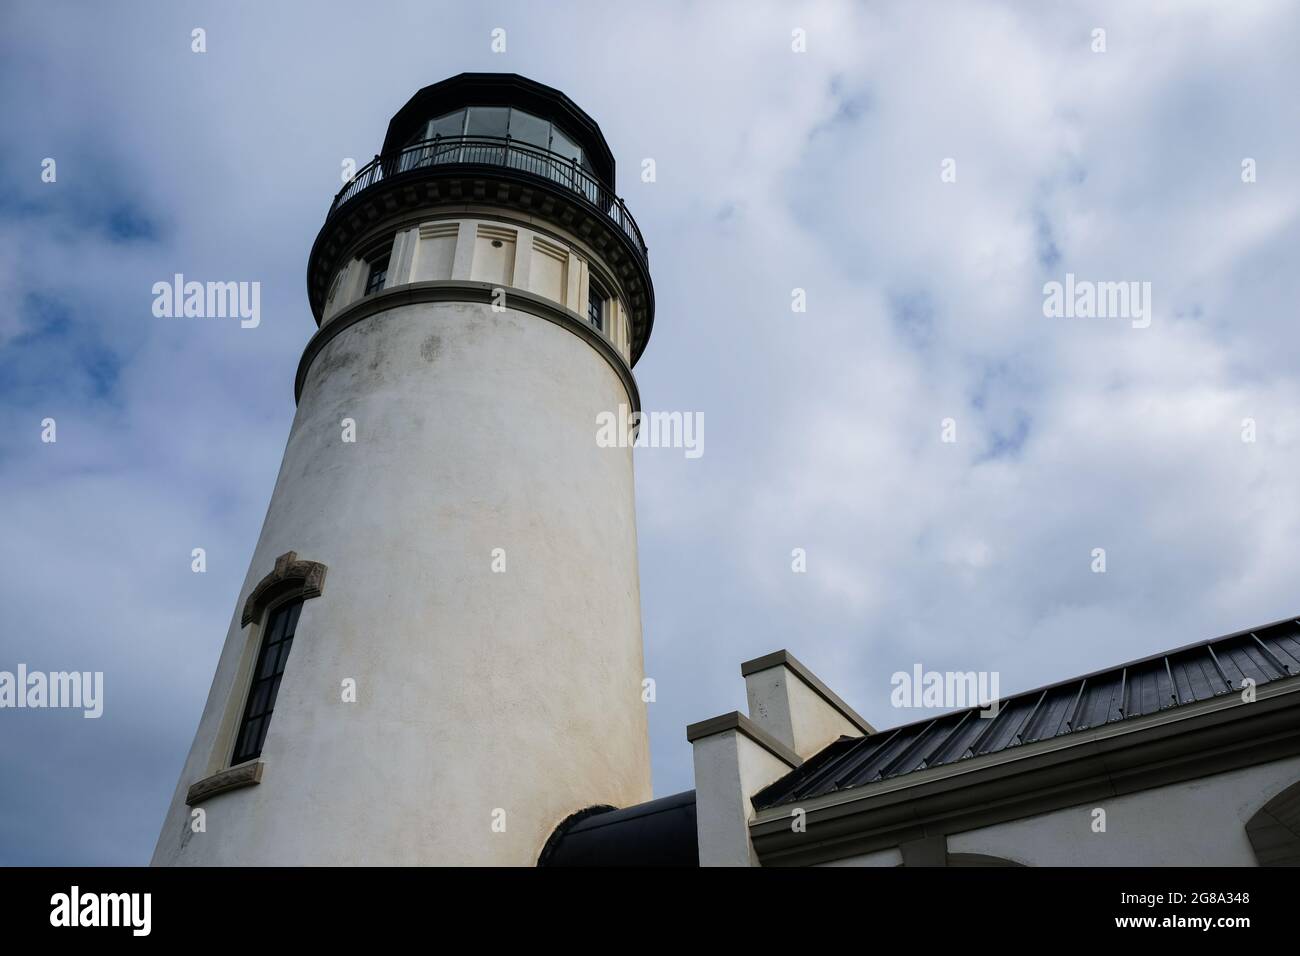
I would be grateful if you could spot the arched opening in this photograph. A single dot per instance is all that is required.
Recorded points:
(1274, 830)
(979, 859)
(658, 833)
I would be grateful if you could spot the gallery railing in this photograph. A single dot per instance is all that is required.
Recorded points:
(496, 151)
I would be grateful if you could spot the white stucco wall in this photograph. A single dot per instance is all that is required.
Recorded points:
(729, 767)
(792, 712)
(477, 690)
(890, 857)
(1195, 823)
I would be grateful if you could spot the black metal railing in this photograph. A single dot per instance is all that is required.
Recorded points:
(496, 151)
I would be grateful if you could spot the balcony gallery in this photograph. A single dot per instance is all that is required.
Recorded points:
(498, 137)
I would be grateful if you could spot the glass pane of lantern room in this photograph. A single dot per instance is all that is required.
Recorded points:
(530, 129)
(564, 146)
(561, 145)
(449, 127)
(534, 134)
(488, 121)
(453, 124)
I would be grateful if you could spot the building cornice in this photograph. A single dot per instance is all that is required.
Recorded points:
(428, 188)
(461, 290)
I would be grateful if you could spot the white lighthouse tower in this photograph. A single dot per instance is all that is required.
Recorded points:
(436, 654)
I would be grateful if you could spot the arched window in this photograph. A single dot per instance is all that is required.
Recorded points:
(1274, 830)
(277, 603)
(979, 859)
(274, 605)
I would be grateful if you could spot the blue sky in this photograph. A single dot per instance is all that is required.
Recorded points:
(776, 170)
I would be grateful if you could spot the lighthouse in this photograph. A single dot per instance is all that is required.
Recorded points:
(436, 654)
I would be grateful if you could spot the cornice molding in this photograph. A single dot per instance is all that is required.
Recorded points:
(459, 290)
(428, 187)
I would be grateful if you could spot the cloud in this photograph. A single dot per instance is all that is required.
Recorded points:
(776, 170)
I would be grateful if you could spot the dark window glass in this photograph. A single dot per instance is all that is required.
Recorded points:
(453, 124)
(558, 157)
(443, 127)
(277, 638)
(596, 306)
(488, 120)
(568, 172)
(564, 146)
(530, 129)
(378, 273)
(449, 128)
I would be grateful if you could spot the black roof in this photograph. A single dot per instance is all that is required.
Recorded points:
(1175, 678)
(502, 89)
(657, 833)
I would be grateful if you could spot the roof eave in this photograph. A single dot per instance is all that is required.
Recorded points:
(1158, 749)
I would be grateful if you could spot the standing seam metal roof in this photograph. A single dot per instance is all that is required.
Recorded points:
(1173, 679)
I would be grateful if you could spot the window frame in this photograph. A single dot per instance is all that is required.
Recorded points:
(577, 153)
(372, 266)
(601, 302)
(283, 604)
(291, 579)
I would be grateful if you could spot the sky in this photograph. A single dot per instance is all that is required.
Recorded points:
(920, 171)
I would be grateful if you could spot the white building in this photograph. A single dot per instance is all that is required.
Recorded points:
(450, 556)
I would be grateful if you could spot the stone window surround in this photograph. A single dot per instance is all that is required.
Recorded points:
(291, 579)
(232, 778)
(304, 579)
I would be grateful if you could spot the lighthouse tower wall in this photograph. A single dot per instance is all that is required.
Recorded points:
(471, 670)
